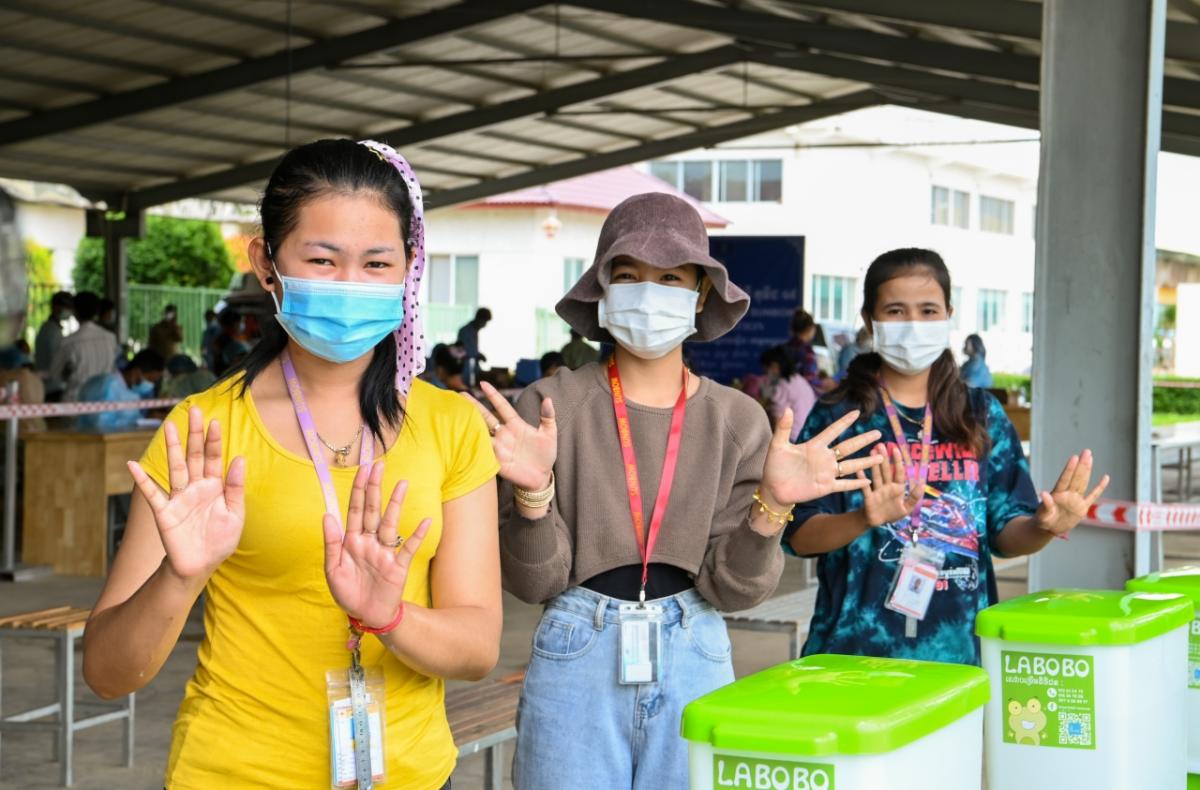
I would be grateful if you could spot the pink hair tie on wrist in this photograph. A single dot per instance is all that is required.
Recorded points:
(358, 625)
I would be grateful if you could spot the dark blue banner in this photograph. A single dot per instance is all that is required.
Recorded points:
(771, 270)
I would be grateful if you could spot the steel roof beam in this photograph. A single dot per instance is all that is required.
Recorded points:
(1013, 18)
(652, 149)
(249, 72)
(544, 102)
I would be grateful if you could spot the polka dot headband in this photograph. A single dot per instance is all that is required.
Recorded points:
(410, 337)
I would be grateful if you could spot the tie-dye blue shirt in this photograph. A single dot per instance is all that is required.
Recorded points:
(966, 506)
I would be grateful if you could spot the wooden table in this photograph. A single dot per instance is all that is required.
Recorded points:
(68, 478)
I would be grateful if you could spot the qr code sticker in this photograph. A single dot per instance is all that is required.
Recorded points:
(1075, 729)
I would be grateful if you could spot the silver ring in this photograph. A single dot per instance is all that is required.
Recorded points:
(397, 543)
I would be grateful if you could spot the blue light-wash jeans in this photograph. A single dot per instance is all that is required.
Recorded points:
(579, 729)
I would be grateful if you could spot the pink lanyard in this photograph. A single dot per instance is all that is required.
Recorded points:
(366, 451)
(916, 475)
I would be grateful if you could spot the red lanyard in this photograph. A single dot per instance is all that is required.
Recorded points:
(916, 477)
(632, 482)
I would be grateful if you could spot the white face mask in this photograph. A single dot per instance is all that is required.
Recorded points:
(911, 347)
(648, 319)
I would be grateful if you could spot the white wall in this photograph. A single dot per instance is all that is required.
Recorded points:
(520, 269)
(60, 228)
(1187, 330)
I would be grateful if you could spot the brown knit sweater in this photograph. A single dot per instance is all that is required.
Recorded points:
(588, 529)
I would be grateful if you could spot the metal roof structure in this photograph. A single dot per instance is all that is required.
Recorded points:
(142, 102)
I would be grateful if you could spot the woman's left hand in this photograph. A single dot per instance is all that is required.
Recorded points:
(803, 472)
(365, 571)
(1063, 508)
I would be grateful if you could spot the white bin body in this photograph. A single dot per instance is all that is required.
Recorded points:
(948, 759)
(1193, 752)
(1141, 721)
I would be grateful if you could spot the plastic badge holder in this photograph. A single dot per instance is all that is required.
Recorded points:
(343, 727)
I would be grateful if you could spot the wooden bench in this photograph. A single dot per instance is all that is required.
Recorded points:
(789, 614)
(64, 624)
(483, 717)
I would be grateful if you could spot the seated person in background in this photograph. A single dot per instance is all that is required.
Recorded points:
(786, 388)
(578, 352)
(448, 363)
(230, 324)
(184, 378)
(135, 382)
(551, 362)
(975, 371)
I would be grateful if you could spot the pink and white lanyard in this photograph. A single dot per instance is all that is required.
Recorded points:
(366, 454)
(914, 474)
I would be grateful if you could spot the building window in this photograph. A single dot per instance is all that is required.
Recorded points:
(734, 181)
(730, 181)
(995, 215)
(768, 181)
(991, 310)
(454, 279)
(1027, 313)
(834, 299)
(572, 271)
(697, 180)
(950, 207)
(956, 297)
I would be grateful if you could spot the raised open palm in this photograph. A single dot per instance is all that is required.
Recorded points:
(803, 472)
(200, 521)
(1063, 508)
(365, 571)
(888, 499)
(526, 452)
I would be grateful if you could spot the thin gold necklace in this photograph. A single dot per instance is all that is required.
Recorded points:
(340, 453)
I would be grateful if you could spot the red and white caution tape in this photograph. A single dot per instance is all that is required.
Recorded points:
(27, 410)
(1143, 516)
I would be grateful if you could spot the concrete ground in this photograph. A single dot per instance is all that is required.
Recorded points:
(26, 759)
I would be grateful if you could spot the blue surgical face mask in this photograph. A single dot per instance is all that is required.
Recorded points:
(338, 321)
(144, 389)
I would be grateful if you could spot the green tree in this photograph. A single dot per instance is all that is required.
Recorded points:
(39, 263)
(173, 252)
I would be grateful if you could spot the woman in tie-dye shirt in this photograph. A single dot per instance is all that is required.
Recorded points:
(948, 503)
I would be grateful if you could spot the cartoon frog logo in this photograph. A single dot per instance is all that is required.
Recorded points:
(1026, 722)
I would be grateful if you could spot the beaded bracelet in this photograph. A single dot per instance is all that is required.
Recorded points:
(358, 625)
(535, 499)
(773, 517)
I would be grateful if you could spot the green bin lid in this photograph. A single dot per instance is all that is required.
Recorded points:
(1084, 617)
(828, 705)
(1185, 581)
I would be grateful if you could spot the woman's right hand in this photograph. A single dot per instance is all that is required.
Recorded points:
(886, 501)
(200, 521)
(526, 453)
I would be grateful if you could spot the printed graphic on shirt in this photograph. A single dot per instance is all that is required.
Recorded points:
(968, 501)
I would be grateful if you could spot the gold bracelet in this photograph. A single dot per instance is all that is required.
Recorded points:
(535, 499)
(774, 518)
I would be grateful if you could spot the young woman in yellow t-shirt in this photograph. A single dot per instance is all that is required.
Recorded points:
(278, 511)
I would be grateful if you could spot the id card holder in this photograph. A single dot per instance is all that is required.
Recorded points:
(915, 582)
(347, 726)
(641, 643)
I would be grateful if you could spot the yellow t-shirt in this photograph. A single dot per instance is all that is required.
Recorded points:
(255, 713)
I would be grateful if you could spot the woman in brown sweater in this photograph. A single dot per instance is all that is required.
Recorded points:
(637, 499)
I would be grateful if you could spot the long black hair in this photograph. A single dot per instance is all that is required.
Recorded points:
(953, 414)
(303, 175)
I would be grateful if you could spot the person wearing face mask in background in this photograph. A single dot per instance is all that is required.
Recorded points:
(906, 564)
(136, 381)
(637, 500)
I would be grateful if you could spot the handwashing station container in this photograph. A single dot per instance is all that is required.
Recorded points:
(1185, 581)
(841, 723)
(1087, 690)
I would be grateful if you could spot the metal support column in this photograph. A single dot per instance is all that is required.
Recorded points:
(1101, 104)
(117, 228)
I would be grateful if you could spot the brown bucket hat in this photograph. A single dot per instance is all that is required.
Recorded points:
(664, 231)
